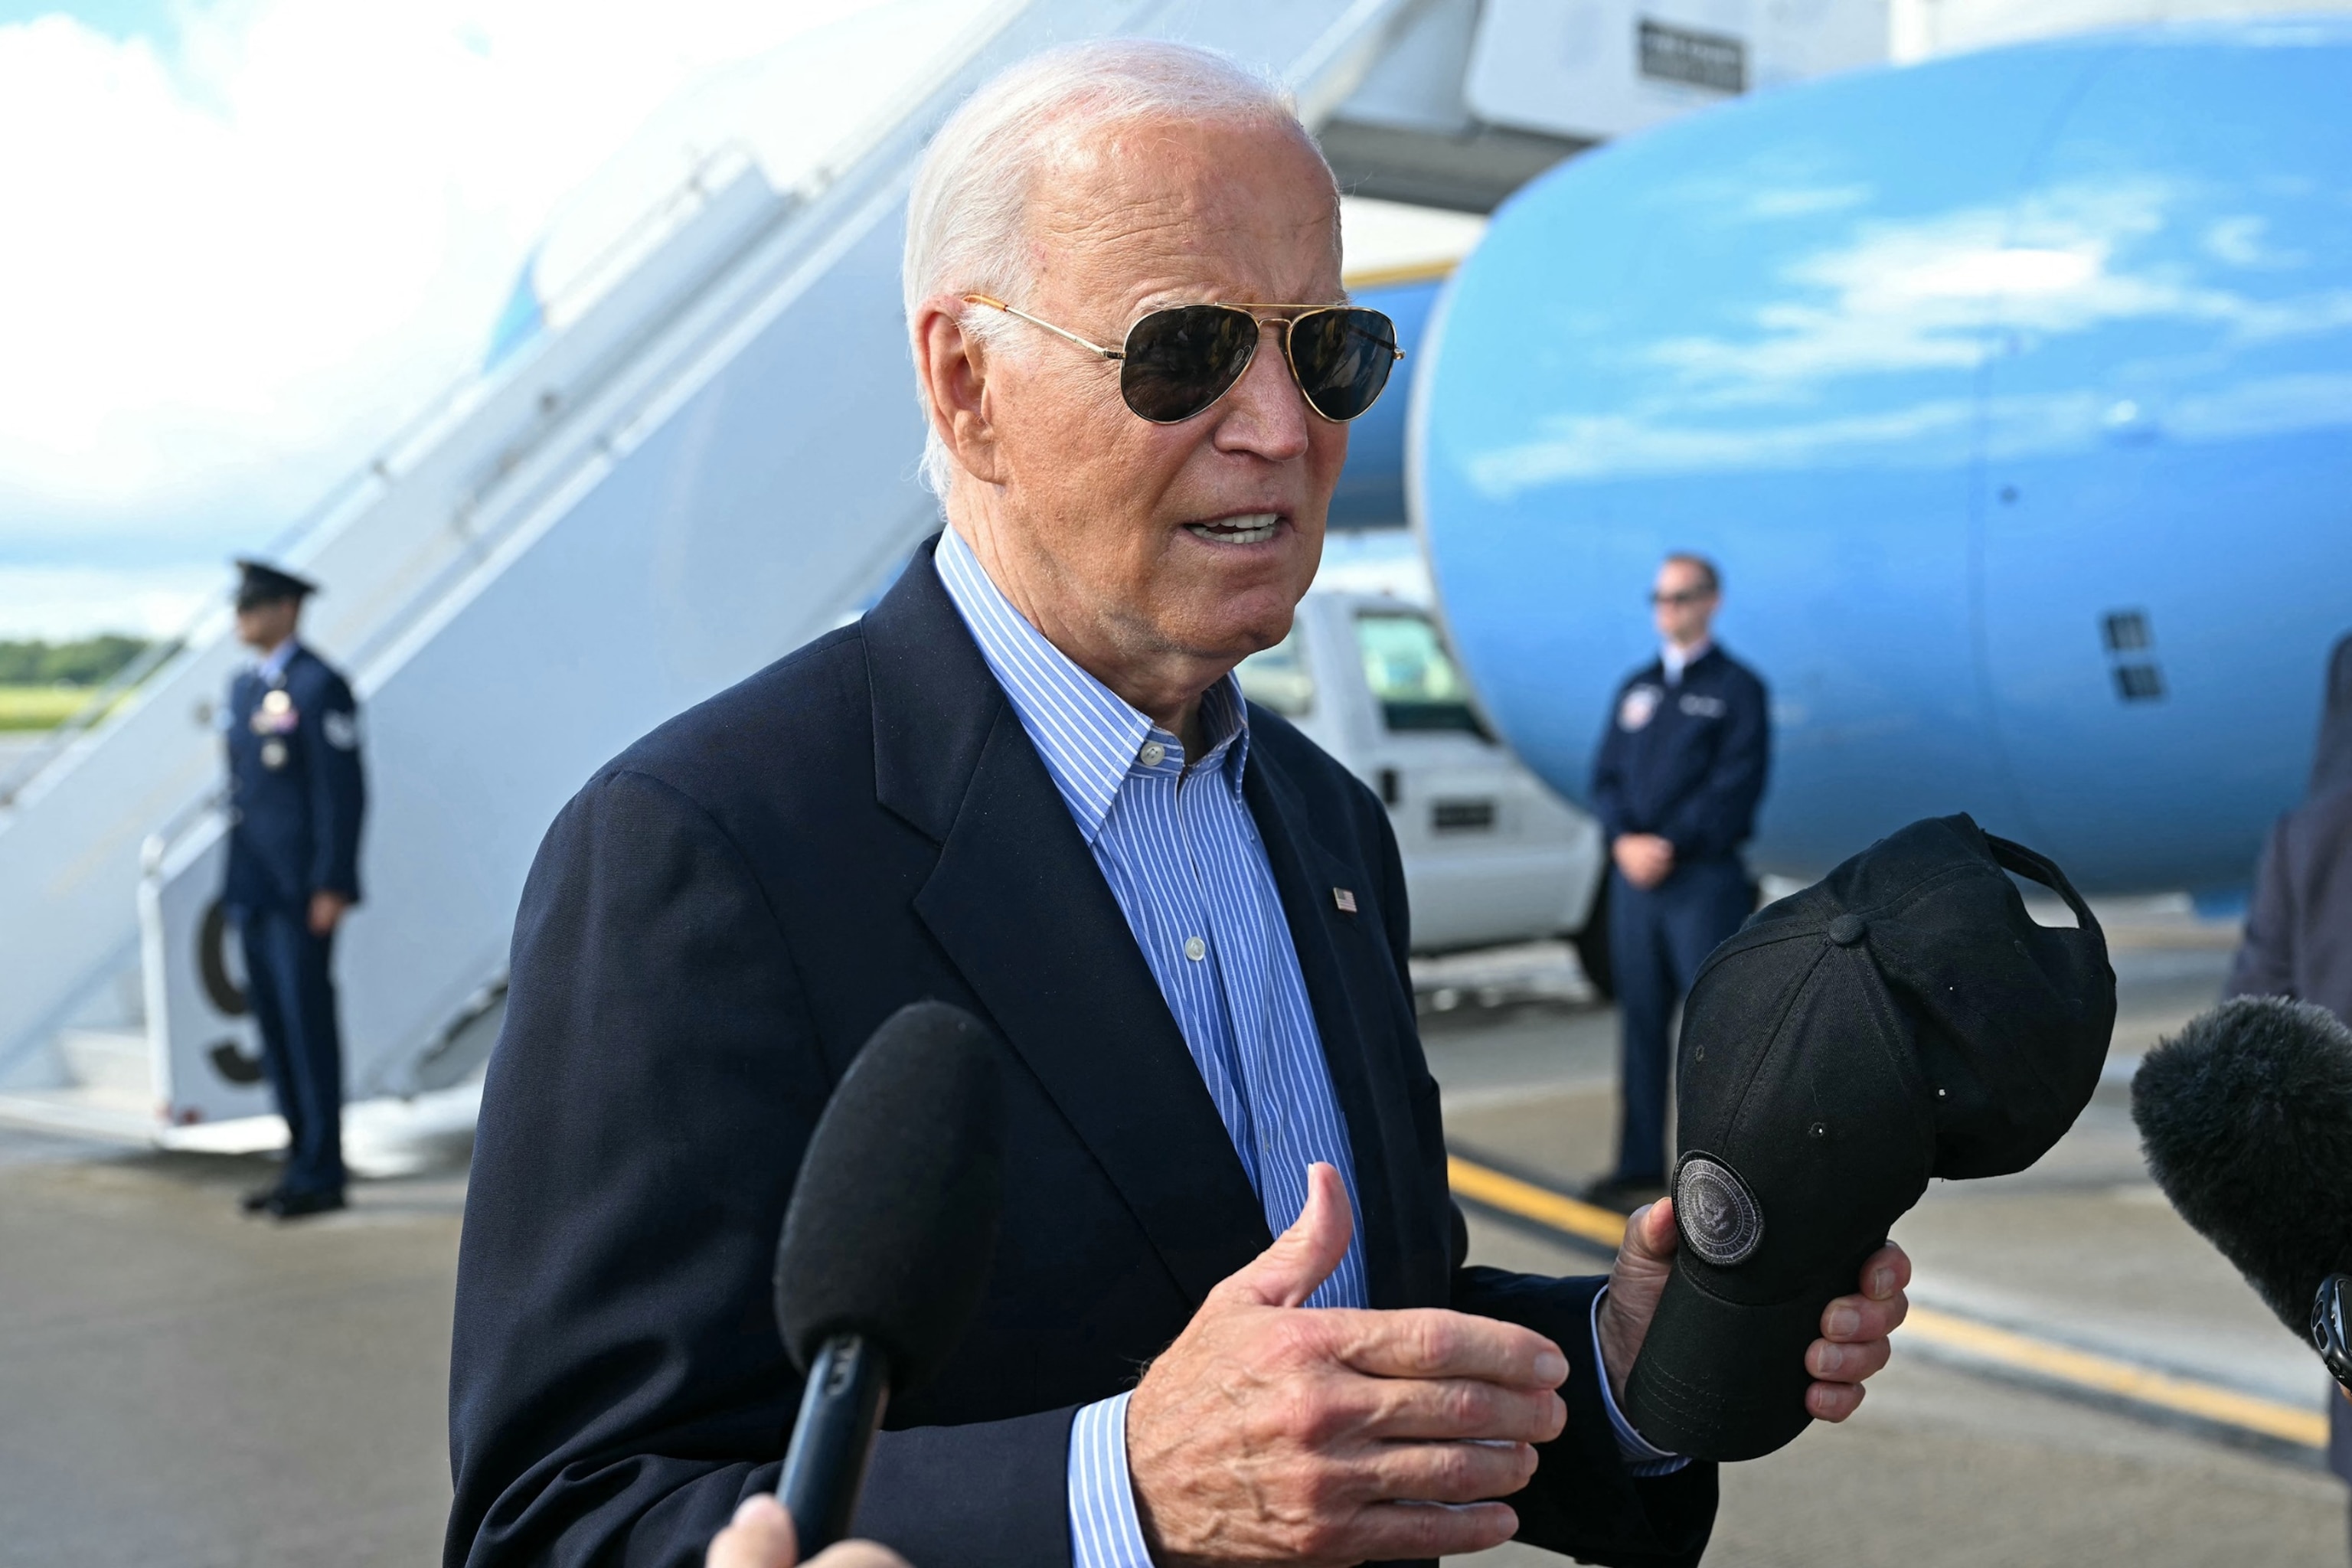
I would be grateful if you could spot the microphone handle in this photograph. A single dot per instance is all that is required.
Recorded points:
(840, 1409)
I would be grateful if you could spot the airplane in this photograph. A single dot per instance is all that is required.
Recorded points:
(2011, 391)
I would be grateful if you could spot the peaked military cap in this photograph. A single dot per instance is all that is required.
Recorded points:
(1902, 1018)
(260, 583)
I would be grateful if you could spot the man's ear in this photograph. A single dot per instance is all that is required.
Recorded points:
(953, 367)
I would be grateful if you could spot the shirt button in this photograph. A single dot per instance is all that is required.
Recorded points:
(1195, 949)
(1153, 753)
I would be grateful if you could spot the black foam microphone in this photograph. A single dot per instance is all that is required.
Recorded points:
(886, 1245)
(2246, 1119)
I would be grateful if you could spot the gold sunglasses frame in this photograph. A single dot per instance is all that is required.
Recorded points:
(1119, 355)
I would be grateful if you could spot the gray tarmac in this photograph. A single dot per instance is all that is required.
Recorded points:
(182, 1386)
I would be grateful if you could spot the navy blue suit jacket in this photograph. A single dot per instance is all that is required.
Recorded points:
(715, 924)
(296, 794)
(1687, 762)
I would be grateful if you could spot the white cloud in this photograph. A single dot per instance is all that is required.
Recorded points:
(1927, 433)
(62, 601)
(1937, 293)
(1822, 372)
(238, 259)
(1617, 446)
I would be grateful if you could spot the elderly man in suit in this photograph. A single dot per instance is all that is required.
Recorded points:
(1230, 1319)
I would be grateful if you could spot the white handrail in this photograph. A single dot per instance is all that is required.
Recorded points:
(391, 458)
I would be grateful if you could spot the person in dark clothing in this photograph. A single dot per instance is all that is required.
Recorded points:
(296, 798)
(1026, 783)
(1676, 786)
(2298, 940)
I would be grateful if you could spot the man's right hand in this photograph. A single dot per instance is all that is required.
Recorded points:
(1645, 858)
(1269, 1434)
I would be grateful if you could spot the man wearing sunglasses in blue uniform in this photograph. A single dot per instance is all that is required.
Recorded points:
(1675, 784)
(1230, 1318)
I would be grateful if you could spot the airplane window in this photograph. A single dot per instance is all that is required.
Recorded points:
(1278, 677)
(1413, 677)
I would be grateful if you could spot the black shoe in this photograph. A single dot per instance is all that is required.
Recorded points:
(294, 1205)
(1622, 1195)
(256, 1201)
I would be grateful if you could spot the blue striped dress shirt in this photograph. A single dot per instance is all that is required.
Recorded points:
(1176, 842)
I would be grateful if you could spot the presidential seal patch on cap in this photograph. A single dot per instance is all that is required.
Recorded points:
(1720, 1217)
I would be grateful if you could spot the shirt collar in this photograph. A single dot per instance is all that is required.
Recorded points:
(1088, 737)
(1676, 661)
(273, 664)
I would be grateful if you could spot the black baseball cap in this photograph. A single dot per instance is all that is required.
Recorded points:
(1902, 1018)
(260, 583)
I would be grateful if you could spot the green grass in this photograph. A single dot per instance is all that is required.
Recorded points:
(39, 707)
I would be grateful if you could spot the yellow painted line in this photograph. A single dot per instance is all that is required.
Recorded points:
(2003, 1348)
(1391, 277)
(1512, 1196)
(2108, 1375)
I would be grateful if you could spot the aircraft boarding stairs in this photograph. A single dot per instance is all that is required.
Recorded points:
(714, 463)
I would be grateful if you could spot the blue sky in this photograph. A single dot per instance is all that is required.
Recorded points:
(115, 19)
(249, 238)
(257, 235)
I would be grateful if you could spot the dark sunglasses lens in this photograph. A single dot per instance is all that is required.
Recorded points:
(1179, 362)
(1342, 358)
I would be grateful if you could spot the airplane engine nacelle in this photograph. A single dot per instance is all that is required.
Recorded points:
(2013, 394)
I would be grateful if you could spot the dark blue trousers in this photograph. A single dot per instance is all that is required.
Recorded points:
(293, 995)
(1657, 938)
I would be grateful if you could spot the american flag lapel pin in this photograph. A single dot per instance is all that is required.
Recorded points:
(1345, 898)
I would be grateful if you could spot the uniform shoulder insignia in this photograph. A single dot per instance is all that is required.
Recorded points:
(341, 728)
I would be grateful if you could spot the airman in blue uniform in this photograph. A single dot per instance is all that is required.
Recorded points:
(1676, 785)
(296, 798)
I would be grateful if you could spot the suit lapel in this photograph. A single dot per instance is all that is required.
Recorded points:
(1352, 988)
(1022, 911)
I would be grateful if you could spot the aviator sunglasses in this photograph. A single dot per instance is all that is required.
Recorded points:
(1177, 361)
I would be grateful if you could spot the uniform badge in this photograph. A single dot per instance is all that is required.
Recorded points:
(273, 754)
(1720, 1217)
(1699, 706)
(1635, 708)
(276, 714)
(341, 730)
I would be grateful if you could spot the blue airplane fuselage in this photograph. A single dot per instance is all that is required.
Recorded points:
(2012, 393)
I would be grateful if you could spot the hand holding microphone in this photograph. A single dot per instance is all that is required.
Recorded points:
(761, 1536)
(886, 1251)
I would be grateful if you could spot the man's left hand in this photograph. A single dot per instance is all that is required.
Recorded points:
(326, 910)
(1855, 1329)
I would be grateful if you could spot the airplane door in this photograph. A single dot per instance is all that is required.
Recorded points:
(2166, 537)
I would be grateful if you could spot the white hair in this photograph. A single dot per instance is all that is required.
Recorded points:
(967, 217)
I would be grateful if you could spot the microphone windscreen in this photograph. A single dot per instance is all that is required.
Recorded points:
(892, 1224)
(2246, 1120)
